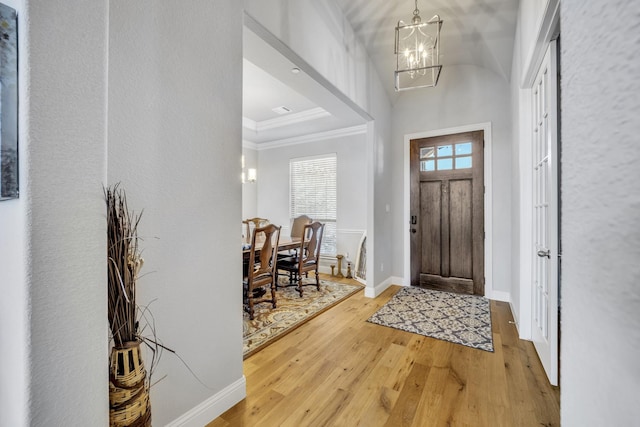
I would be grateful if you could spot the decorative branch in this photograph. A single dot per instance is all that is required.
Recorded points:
(123, 265)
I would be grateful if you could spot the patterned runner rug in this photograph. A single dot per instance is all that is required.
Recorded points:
(292, 311)
(460, 319)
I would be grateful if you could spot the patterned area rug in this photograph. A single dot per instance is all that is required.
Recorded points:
(292, 311)
(461, 319)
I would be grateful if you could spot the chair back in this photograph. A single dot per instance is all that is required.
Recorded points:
(297, 227)
(262, 268)
(251, 224)
(310, 245)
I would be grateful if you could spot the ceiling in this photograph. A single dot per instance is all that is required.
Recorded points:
(474, 32)
(270, 83)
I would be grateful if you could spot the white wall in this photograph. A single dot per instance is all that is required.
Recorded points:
(465, 95)
(273, 186)
(52, 249)
(175, 94)
(318, 32)
(600, 374)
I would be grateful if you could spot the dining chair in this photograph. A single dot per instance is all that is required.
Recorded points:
(261, 271)
(307, 258)
(251, 224)
(297, 229)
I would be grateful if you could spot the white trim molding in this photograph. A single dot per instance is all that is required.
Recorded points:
(374, 291)
(286, 120)
(313, 137)
(250, 145)
(214, 406)
(488, 201)
(548, 30)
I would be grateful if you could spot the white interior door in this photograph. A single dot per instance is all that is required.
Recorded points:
(545, 215)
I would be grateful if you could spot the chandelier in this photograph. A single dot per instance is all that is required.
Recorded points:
(417, 50)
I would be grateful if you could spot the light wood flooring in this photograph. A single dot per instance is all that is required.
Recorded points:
(340, 370)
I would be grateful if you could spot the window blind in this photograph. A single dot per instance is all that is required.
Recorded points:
(313, 192)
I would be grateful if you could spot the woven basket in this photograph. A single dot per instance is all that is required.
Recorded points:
(121, 395)
(135, 413)
(127, 368)
(128, 389)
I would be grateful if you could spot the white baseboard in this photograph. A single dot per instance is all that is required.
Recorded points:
(372, 292)
(515, 320)
(394, 280)
(214, 406)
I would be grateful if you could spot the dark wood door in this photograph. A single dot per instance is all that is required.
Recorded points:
(447, 212)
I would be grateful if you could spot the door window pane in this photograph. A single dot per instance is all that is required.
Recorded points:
(426, 152)
(445, 150)
(463, 148)
(427, 165)
(463, 162)
(445, 164)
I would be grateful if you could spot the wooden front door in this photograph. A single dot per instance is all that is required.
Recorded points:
(447, 212)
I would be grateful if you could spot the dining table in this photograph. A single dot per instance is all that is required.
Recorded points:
(284, 244)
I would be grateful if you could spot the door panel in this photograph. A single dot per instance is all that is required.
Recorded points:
(447, 197)
(431, 211)
(461, 242)
(545, 215)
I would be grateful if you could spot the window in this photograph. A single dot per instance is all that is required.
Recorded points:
(313, 192)
(442, 157)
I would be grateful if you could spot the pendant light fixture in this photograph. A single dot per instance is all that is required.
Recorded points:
(417, 50)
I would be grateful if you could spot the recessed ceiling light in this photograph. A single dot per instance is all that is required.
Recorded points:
(295, 70)
(281, 110)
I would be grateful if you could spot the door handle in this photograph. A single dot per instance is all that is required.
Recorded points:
(543, 254)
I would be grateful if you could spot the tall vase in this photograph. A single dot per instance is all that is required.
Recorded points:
(129, 404)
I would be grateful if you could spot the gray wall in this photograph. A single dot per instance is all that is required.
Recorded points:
(338, 56)
(174, 123)
(600, 374)
(175, 111)
(273, 185)
(465, 95)
(52, 240)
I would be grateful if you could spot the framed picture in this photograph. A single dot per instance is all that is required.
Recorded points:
(8, 103)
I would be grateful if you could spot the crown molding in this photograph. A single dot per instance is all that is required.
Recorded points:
(249, 124)
(286, 120)
(313, 137)
(293, 118)
(250, 145)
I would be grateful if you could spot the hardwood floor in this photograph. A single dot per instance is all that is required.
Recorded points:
(340, 370)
